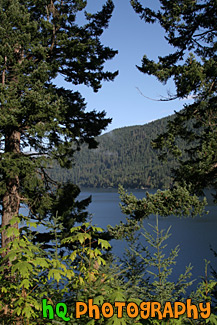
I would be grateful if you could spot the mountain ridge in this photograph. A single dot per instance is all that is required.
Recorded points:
(124, 156)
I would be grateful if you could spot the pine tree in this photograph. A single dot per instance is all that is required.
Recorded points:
(191, 28)
(39, 41)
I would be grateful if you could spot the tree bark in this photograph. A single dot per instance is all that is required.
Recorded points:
(11, 198)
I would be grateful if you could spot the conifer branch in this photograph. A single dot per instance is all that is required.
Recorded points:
(158, 100)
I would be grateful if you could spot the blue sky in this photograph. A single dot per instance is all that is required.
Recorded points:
(132, 38)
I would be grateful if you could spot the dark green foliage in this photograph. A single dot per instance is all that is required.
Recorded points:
(40, 40)
(124, 156)
(154, 268)
(29, 274)
(190, 27)
(176, 201)
(39, 121)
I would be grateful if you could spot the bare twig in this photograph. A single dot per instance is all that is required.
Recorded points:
(157, 100)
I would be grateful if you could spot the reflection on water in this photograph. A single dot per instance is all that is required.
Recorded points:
(194, 236)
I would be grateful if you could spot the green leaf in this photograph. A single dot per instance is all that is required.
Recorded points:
(4, 290)
(12, 232)
(114, 320)
(212, 319)
(98, 300)
(14, 220)
(104, 243)
(98, 229)
(55, 274)
(73, 256)
(118, 295)
(25, 283)
(23, 268)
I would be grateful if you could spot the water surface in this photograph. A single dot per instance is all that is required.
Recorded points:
(194, 236)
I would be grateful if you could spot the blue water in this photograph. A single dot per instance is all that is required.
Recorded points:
(194, 236)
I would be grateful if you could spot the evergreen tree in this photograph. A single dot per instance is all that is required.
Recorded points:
(39, 41)
(120, 161)
(191, 28)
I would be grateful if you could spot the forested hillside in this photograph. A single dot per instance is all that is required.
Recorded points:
(124, 156)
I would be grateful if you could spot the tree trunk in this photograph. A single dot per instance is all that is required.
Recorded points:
(11, 198)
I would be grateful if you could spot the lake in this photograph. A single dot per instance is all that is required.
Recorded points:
(194, 236)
